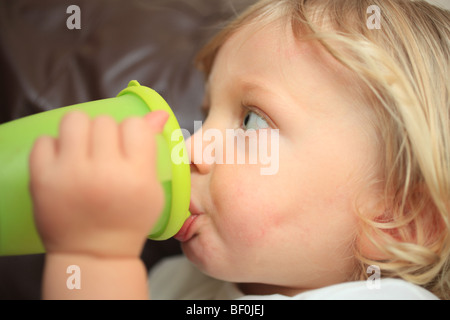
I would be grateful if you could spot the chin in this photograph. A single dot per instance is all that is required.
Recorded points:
(213, 265)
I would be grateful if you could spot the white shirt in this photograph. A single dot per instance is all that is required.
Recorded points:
(176, 278)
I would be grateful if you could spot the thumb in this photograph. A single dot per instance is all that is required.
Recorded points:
(157, 120)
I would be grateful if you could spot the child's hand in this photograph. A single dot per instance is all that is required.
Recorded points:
(95, 189)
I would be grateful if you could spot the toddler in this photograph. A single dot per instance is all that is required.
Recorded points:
(357, 94)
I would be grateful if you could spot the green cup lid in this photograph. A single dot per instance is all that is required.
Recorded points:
(181, 176)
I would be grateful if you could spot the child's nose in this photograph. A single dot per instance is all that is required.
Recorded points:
(195, 146)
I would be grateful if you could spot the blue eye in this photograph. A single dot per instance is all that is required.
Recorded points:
(254, 121)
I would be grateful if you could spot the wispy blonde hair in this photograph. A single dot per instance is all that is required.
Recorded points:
(405, 67)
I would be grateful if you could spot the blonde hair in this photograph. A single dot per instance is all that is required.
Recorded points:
(404, 65)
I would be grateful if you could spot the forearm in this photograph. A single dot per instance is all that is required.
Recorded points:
(97, 277)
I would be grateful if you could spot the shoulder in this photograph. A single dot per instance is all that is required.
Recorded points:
(387, 289)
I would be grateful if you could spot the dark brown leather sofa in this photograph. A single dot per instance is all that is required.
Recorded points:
(46, 65)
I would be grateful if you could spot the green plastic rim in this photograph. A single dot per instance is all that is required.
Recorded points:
(181, 177)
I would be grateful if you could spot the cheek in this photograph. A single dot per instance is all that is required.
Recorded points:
(245, 206)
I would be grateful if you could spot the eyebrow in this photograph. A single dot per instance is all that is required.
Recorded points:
(248, 85)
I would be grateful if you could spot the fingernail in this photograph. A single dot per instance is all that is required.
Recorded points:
(159, 114)
(158, 119)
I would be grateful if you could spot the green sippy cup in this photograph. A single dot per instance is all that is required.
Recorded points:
(18, 234)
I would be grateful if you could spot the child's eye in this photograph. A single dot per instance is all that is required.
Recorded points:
(254, 121)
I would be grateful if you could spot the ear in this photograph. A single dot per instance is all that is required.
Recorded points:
(373, 239)
(418, 222)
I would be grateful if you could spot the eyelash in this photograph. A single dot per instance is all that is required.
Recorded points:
(247, 109)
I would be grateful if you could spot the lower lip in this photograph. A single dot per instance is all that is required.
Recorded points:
(184, 234)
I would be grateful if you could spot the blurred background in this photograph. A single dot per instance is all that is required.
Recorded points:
(442, 3)
(45, 65)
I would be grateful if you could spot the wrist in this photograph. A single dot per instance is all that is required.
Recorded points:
(98, 245)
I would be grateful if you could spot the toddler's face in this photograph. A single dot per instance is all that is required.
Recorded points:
(292, 230)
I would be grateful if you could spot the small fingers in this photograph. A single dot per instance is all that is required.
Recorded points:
(136, 138)
(102, 137)
(74, 134)
(139, 137)
(104, 143)
(42, 155)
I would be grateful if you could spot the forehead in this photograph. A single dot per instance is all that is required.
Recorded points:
(256, 48)
(273, 57)
(270, 53)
